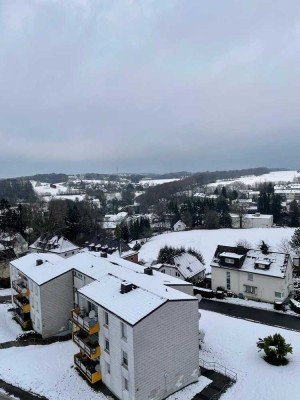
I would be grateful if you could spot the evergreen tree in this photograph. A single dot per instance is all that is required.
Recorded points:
(295, 241)
(224, 192)
(275, 348)
(276, 207)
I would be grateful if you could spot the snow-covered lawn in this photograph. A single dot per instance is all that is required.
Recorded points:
(51, 373)
(232, 343)
(5, 292)
(206, 241)
(9, 329)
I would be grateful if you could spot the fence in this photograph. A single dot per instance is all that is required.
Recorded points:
(218, 368)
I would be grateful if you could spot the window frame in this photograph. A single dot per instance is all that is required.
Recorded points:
(106, 345)
(229, 260)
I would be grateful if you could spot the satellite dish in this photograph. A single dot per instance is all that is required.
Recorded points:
(98, 368)
(199, 297)
(24, 290)
(92, 314)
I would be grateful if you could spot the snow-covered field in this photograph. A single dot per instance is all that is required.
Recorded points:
(278, 176)
(206, 241)
(232, 343)
(47, 193)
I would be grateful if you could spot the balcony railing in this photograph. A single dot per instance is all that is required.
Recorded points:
(90, 349)
(22, 302)
(25, 323)
(88, 367)
(89, 325)
(20, 286)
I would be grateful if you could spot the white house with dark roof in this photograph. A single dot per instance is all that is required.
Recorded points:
(179, 226)
(252, 273)
(184, 266)
(147, 346)
(54, 244)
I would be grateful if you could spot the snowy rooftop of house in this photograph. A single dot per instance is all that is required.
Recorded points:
(131, 306)
(273, 263)
(57, 244)
(49, 269)
(231, 255)
(188, 265)
(93, 266)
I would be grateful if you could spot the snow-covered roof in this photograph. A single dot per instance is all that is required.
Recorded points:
(51, 267)
(188, 265)
(131, 306)
(275, 263)
(91, 265)
(56, 244)
(231, 255)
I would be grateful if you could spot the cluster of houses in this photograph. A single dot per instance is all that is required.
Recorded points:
(136, 328)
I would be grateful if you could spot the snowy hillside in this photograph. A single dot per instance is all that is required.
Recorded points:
(275, 177)
(207, 240)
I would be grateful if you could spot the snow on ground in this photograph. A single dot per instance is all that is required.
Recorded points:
(232, 343)
(46, 370)
(207, 241)
(278, 176)
(9, 329)
(52, 374)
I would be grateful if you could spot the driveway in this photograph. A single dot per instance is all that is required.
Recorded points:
(272, 318)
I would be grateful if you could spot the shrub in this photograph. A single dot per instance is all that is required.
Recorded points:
(275, 348)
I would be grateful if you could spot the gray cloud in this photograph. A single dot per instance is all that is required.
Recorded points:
(148, 85)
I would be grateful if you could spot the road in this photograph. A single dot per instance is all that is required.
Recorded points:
(272, 318)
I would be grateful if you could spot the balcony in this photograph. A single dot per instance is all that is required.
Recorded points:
(20, 286)
(88, 344)
(90, 369)
(82, 319)
(22, 302)
(23, 319)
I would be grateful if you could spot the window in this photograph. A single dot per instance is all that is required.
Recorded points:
(123, 331)
(278, 295)
(250, 277)
(163, 271)
(125, 384)
(124, 359)
(107, 345)
(229, 260)
(107, 367)
(106, 319)
(250, 289)
(177, 273)
(228, 280)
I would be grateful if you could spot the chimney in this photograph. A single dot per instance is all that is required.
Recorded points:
(148, 271)
(126, 287)
(38, 262)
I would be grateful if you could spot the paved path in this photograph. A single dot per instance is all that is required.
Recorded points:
(272, 318)
(17, 392)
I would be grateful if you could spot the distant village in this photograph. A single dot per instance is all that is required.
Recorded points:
(70, 257)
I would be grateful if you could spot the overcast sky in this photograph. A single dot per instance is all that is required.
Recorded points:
(148, 85)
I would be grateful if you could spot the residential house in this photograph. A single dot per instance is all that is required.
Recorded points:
(184, 266)
(113, 246)
(136, 329)
(252, 273)
(255, 220)
(54, 244)
(179, 226)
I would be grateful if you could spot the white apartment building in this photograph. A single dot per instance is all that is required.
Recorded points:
(247, 221)
(136, 330)
(252, 274)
